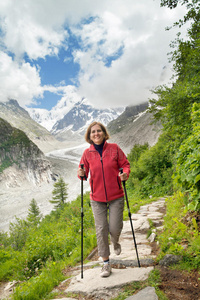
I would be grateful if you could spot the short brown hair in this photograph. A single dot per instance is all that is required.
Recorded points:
(103, 128)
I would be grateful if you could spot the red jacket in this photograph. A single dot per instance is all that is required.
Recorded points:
(105, 182)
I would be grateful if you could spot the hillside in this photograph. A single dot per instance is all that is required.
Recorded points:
(19, 118)
(139, 130)
(128, 116)
(20, 159)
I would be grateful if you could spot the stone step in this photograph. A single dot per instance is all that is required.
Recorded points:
(125, 268)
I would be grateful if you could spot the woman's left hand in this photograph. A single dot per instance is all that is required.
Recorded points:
(123, 176)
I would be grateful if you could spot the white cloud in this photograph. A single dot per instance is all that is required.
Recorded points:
(18, 80)
(131, 30)
(141, 33)
(31, 27)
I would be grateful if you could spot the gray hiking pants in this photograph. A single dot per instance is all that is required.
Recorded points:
(105, 224)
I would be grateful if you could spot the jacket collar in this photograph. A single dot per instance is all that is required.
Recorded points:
(92, 148)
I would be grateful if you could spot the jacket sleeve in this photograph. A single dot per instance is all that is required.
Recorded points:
(85, 162)
(123, 162)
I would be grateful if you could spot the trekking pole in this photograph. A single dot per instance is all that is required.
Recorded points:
(82, 165)
(129, 213)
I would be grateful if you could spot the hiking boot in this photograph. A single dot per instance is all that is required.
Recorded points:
(106, 270)
(117, 249)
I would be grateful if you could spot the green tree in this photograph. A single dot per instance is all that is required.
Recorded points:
(34, 215)
(187, 176)
(18, 233)
(59, 193)
(192, 6)
(174, 105)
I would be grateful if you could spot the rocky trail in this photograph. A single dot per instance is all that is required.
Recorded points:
(175, 284)
(125, 269)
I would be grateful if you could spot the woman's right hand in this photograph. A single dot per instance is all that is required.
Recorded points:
(81, 172)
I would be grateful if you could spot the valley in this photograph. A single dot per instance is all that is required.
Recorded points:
(15, 201)
(63, 149)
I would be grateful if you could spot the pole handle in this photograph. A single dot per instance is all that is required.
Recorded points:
(121, 171)
(82, 166)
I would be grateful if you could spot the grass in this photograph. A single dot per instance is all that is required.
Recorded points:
(41, 285)
(132, 288)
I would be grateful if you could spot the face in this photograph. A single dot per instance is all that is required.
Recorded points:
(97, 135)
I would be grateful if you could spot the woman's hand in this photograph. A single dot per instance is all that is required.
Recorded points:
(81, 172)
(123, 176)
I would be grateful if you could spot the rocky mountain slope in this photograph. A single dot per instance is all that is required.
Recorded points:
(134, 126)
(20, 159)
(20, 118)
(128, 116)
(140, 130)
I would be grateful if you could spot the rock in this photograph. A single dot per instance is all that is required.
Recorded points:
(152, 237)
(10, 285)
(146, 294)
(92, 282)
(170, 259)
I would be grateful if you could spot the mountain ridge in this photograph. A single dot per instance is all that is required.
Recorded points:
(19, 154)
(74, 116)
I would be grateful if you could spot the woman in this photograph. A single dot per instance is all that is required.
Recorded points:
(103, 161)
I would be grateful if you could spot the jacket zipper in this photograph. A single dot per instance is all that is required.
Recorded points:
(104, 180)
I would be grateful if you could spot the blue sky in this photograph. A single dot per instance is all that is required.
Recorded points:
(113, 52)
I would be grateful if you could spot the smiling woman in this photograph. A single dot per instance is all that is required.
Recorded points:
(103, 160)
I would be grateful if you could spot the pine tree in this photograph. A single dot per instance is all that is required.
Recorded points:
(34, 215)
(59, 193)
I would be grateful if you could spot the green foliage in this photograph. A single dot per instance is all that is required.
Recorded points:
(133, 158)
(40, 285)
(12, 136)
(176, 102)
(192, 7)
(11, 263)
(150, 170)
(6, 163)
(136, 152)
(178, 110)
(19, 231)
(32, 253)
(59, 193)
(34, 215)
(15, 146)
(180, 237)
(187, 175)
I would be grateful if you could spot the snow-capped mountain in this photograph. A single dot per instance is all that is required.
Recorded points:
(48, 118)
(72, 113)
(82, 114)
